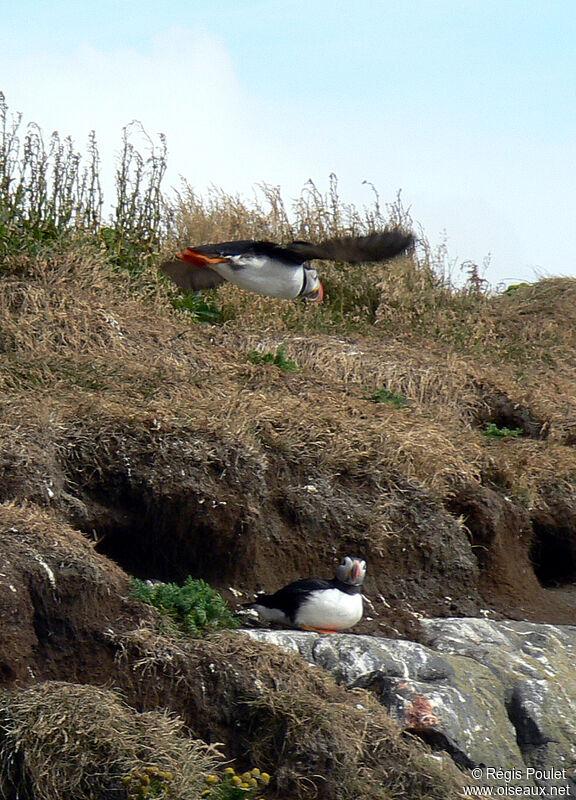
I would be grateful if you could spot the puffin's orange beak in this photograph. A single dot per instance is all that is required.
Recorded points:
(317, 295)
(355, 572)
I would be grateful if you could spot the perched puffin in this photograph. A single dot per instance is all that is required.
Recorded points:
(315, 604)
(276, 270)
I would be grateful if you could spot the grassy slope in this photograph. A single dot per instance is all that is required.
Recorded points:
(111, 393)
(79, 335)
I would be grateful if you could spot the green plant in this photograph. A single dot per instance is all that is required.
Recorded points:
(198, 307)
(194, 608)
(50, 194)
(495, 432)
(141, 217)
(46, 193)
(392, 398)
(279, 359)
(149, 782)
(231, 786)
(515, 288)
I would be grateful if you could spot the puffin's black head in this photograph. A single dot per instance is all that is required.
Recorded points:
(352, 570)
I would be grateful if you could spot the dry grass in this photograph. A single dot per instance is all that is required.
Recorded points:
(221, 216)
(88, 343)
(56, 593)
(59, 741)
(314, 215)
(43, 537)
(316, 738)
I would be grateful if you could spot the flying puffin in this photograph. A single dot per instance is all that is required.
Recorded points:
(276, 270)
(327, 606)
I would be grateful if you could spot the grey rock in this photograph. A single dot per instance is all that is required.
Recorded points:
(499, 696)
(535, 664)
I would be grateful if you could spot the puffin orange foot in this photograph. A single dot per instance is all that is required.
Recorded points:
(199, 259)
(318, 630)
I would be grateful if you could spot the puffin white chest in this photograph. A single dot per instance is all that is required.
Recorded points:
(263, 275)
(330, 609)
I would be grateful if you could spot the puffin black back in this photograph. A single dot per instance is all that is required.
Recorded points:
(289, 598)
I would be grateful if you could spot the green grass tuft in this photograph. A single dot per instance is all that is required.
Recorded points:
(392, 398)
(279, 359)
(198, 307)
(494, 432)
(194, 608)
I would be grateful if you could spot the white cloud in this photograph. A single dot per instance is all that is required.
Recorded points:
(491, 187)
(184, 86)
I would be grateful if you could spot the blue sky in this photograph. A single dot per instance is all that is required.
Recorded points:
(466, 106)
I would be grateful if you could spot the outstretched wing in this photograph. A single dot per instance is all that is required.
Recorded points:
(356, 249)
(191, 278)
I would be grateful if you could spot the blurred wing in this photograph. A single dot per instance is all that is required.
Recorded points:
(191, 278)
(356, 249)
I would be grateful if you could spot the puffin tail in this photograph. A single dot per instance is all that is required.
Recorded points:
(258, 601)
